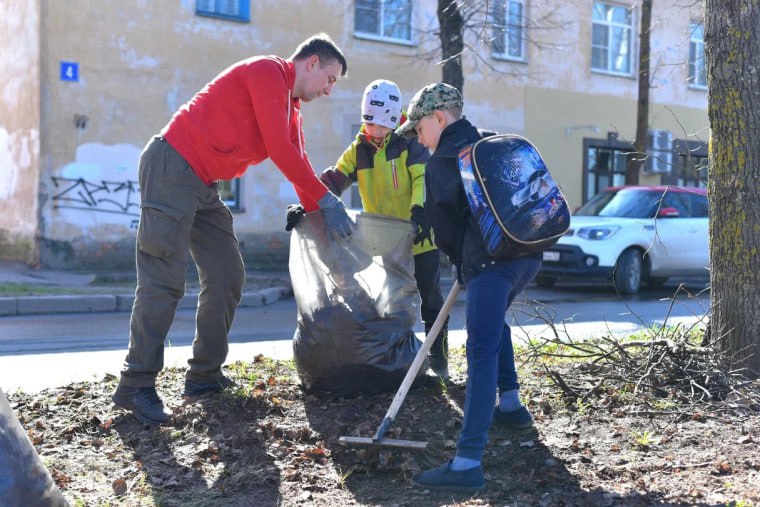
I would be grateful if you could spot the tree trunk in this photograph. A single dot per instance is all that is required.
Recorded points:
(452, 42)
(637, 159)
(732, 46)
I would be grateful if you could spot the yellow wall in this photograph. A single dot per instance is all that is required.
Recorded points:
(19, 128)
(139, 60)
(558, 121)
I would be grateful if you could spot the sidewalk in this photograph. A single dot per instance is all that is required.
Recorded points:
(28, 291)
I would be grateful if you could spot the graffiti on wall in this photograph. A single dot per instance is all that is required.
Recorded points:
(97, 193)
(103, 196)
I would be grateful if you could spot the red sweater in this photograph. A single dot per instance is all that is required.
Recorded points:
(243, 116)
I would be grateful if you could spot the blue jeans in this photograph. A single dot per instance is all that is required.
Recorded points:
(490, 357)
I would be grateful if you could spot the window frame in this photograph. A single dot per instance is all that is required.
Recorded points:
(379, 36)
(690, 160)
(244, 7)
(236, 203)
(693, 77)
(506, 28)
(611, 24)
(612, 144)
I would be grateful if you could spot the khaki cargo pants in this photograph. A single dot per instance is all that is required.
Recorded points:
(179, 213)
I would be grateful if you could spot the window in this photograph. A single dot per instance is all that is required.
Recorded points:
(606, 167)
(508, 28)
(691, 171)
(384, 19)
(678, 200)
(236, 10)
(229, 192)
(699, 206)
(611, 46)
(697, 69)
(689, 164)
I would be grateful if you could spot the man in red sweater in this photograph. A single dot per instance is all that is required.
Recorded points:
(248, 113)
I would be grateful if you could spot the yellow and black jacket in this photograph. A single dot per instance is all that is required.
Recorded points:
(391, 177)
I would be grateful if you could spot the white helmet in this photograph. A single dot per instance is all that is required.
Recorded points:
(381, 103)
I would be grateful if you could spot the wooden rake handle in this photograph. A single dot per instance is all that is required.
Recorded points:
(419, 359)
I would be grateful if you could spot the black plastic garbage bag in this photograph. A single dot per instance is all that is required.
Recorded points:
(24, 480)
(357, 304)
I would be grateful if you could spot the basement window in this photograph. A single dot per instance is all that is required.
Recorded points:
(229, 192)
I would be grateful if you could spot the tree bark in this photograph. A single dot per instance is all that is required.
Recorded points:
(637, 158)
(732, 46)
(452, 42)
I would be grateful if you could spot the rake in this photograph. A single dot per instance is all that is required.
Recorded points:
(406, 384)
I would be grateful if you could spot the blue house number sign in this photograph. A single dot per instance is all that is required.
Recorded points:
(70, 71)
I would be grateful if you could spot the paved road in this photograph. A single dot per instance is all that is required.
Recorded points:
(50, 350)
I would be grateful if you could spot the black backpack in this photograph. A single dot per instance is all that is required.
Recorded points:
(513, 198)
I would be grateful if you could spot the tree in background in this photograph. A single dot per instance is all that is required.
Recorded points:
(637, 158)
(451, 34)
(732, 46)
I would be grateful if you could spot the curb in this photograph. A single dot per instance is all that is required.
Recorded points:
(42, 305)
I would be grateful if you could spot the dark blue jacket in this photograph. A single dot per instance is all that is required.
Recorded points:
(456, 232)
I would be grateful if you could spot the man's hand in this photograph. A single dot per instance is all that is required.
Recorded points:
(336, 219)
(295, 212)
(423, 226)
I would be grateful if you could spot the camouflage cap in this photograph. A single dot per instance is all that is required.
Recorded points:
(435, 96)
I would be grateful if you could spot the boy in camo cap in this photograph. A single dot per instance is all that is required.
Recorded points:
(435, 118)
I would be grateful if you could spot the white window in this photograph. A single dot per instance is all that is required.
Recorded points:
(509, 27)
(611, 39)
(384, 19)
(697, 69)
(236, 10)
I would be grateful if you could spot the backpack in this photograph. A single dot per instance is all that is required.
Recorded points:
(515, 201)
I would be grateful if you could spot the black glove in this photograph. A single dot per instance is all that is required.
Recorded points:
(295, 212)
(336, 219)
(423, 226)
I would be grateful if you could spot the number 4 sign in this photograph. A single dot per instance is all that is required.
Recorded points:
(70, 71)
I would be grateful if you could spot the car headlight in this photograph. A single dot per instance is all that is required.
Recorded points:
(598, 232)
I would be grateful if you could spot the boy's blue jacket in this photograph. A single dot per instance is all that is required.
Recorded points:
(456, 233)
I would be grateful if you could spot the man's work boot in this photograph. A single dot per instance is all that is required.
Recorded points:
(143, 402)
(195, 388)
(439, 353)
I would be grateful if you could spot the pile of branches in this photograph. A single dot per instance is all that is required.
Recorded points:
(668, 367)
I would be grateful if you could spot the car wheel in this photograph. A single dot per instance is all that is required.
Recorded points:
(627, 275)
(657, 281)
(545, 281)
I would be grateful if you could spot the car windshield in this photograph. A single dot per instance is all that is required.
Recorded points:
(627, 203)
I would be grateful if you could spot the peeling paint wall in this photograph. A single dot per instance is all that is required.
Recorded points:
(19, 128)
(139, 60)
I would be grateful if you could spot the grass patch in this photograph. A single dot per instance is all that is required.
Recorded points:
(25, 289)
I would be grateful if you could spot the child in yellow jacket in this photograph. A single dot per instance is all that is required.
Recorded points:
(390, 172)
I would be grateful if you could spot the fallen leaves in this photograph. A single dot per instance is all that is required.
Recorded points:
(119, 487)
(269, 442)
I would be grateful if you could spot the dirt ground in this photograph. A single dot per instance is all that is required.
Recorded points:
(268, 443)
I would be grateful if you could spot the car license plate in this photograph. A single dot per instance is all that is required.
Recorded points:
(549, 255)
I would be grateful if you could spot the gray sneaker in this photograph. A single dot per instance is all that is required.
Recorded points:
(143, 402)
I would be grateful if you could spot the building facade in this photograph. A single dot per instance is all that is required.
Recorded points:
(88, 83)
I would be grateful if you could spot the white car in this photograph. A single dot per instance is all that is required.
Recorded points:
(633, 234)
